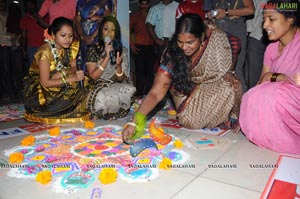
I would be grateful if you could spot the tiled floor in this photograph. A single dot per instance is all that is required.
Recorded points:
(242, 182)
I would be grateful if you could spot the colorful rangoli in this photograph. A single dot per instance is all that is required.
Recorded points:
(77, 156)
(11, 112)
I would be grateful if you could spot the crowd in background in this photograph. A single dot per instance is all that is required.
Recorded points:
(210, 57)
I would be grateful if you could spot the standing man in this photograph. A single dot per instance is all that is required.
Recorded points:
(256, 44)
(169, 20)
(56, 8)
(32, 33)
(155, 26)
(230, 17)
(142, 48)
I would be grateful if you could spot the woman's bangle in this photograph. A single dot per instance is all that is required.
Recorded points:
(274, 77)
(141, 121)
(101, 68)
(119, 74)
(131, 124)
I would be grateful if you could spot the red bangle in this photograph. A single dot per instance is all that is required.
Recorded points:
(274, 77)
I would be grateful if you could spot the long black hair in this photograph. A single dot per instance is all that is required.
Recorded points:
(187, 23)
(116, 24)
(288, 8)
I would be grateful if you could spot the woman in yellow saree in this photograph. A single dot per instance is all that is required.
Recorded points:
(51, 91)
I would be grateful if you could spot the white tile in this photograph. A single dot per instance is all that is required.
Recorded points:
(166, 185)
(244, 155)
(207, 188)
(202, 157)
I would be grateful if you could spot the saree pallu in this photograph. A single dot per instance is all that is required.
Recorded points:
(55, 105)
(213, 100)
(270, 112)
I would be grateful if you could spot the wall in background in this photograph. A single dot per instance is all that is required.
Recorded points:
(123, 18)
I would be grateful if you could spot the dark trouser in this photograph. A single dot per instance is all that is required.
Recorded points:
(254, 60)
(7, 89)
(18, 65)
(11, 74)
(144, 67)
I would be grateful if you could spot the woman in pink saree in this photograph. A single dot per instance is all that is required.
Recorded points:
(270, 112)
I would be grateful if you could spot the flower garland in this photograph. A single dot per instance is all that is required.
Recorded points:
(58, 62)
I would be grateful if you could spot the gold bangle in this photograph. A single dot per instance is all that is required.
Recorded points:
(119, 74)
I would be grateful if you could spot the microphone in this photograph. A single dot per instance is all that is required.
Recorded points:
(78, 65)
(107, 40)
(113, 53)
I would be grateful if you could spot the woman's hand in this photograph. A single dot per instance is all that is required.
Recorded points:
(108, 48)
(56, 76)
(265, 77)
(78, 76)
(296, 79)
(128, 133)
(119, 59)
(232, 78)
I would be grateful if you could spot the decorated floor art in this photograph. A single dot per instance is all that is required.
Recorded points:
(11, 112)
(72, 159)
(206, 141)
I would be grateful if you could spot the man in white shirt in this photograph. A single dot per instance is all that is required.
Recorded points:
(169, 19)
(155, 24)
